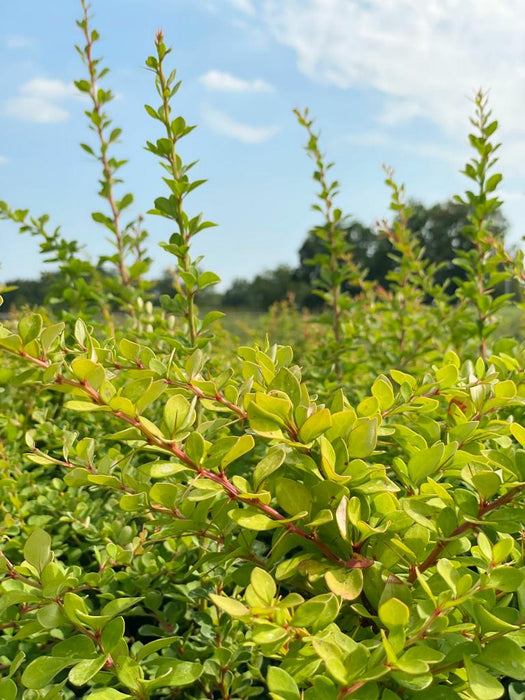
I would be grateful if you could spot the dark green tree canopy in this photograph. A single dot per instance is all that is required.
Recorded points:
(267, 288)
(438, 227)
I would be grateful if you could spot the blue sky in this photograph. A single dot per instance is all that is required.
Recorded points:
(387, 80)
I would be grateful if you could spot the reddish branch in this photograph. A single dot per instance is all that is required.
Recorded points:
(483, 509)
(221, 479)
(99, 128)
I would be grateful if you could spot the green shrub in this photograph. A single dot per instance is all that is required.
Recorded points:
(183, 518)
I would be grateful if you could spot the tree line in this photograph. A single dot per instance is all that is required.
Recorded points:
(438, 228)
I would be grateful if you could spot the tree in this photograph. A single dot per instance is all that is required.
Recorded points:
(440, 230)
(369, 252)
(267, 288)
(438, 227)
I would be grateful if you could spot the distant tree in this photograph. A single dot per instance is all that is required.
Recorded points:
(438, 228)
(238, 294)
(265, 289)
(369, 251)
(163, 285)
(28, 292)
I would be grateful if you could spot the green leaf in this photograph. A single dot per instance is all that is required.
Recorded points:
(84, 406)
(178, 414)
(130, 674)
(207, 279)
(315, 425)
(281, 685)
(51, 616)
(112, 634)
(505, 657)
(483, 684)
(425, 462)
(493, 181)
(394, 614)
(233, 607)
(180, 673)
(154, 646)
(263, 422)
(81, 332)
(211, 317)
(76, 648)
(507, 580)
(132, 502)
(7, 689)
(447, 376)
(334, 658)
(107, 694)
(89, 371)
(73, 605)
(263, 585)
(37, 549)
(85, 670)
(50, 334)
(268, 465)
(489, 622)
(243, 445)
(487, 483)
(165, 494)
(317, 613)
(160, 470)
(195, 447)
(29, 327)
(129, 349)
(293, 497)
(345, 584)
(519, 433)
(253, 520)
(383, 392)
(11, 342)
(119, 605)
(42, 670)
(363, 438)
(322, 689)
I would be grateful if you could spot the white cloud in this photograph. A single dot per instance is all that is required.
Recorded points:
(227, 82)
(3, 160)
(18, 41)
(368, 138)
(450, 154)
(39, 101)
(36, 110)
(425, 58)
(245, 6)
(222, 123)
(456, 156)
(512, 196)
(48, 89)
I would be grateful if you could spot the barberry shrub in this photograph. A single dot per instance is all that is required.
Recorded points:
(183, 518)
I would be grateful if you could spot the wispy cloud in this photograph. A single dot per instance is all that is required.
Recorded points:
(448, 153)
(221, 123)
(512, 195)
(3, 160)
(368, 138)
(49, 89)
(424, 57)
(245, 6)
(40, 101)
(19, 41)
(227, 82)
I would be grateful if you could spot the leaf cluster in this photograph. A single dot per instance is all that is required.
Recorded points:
(186, 517)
